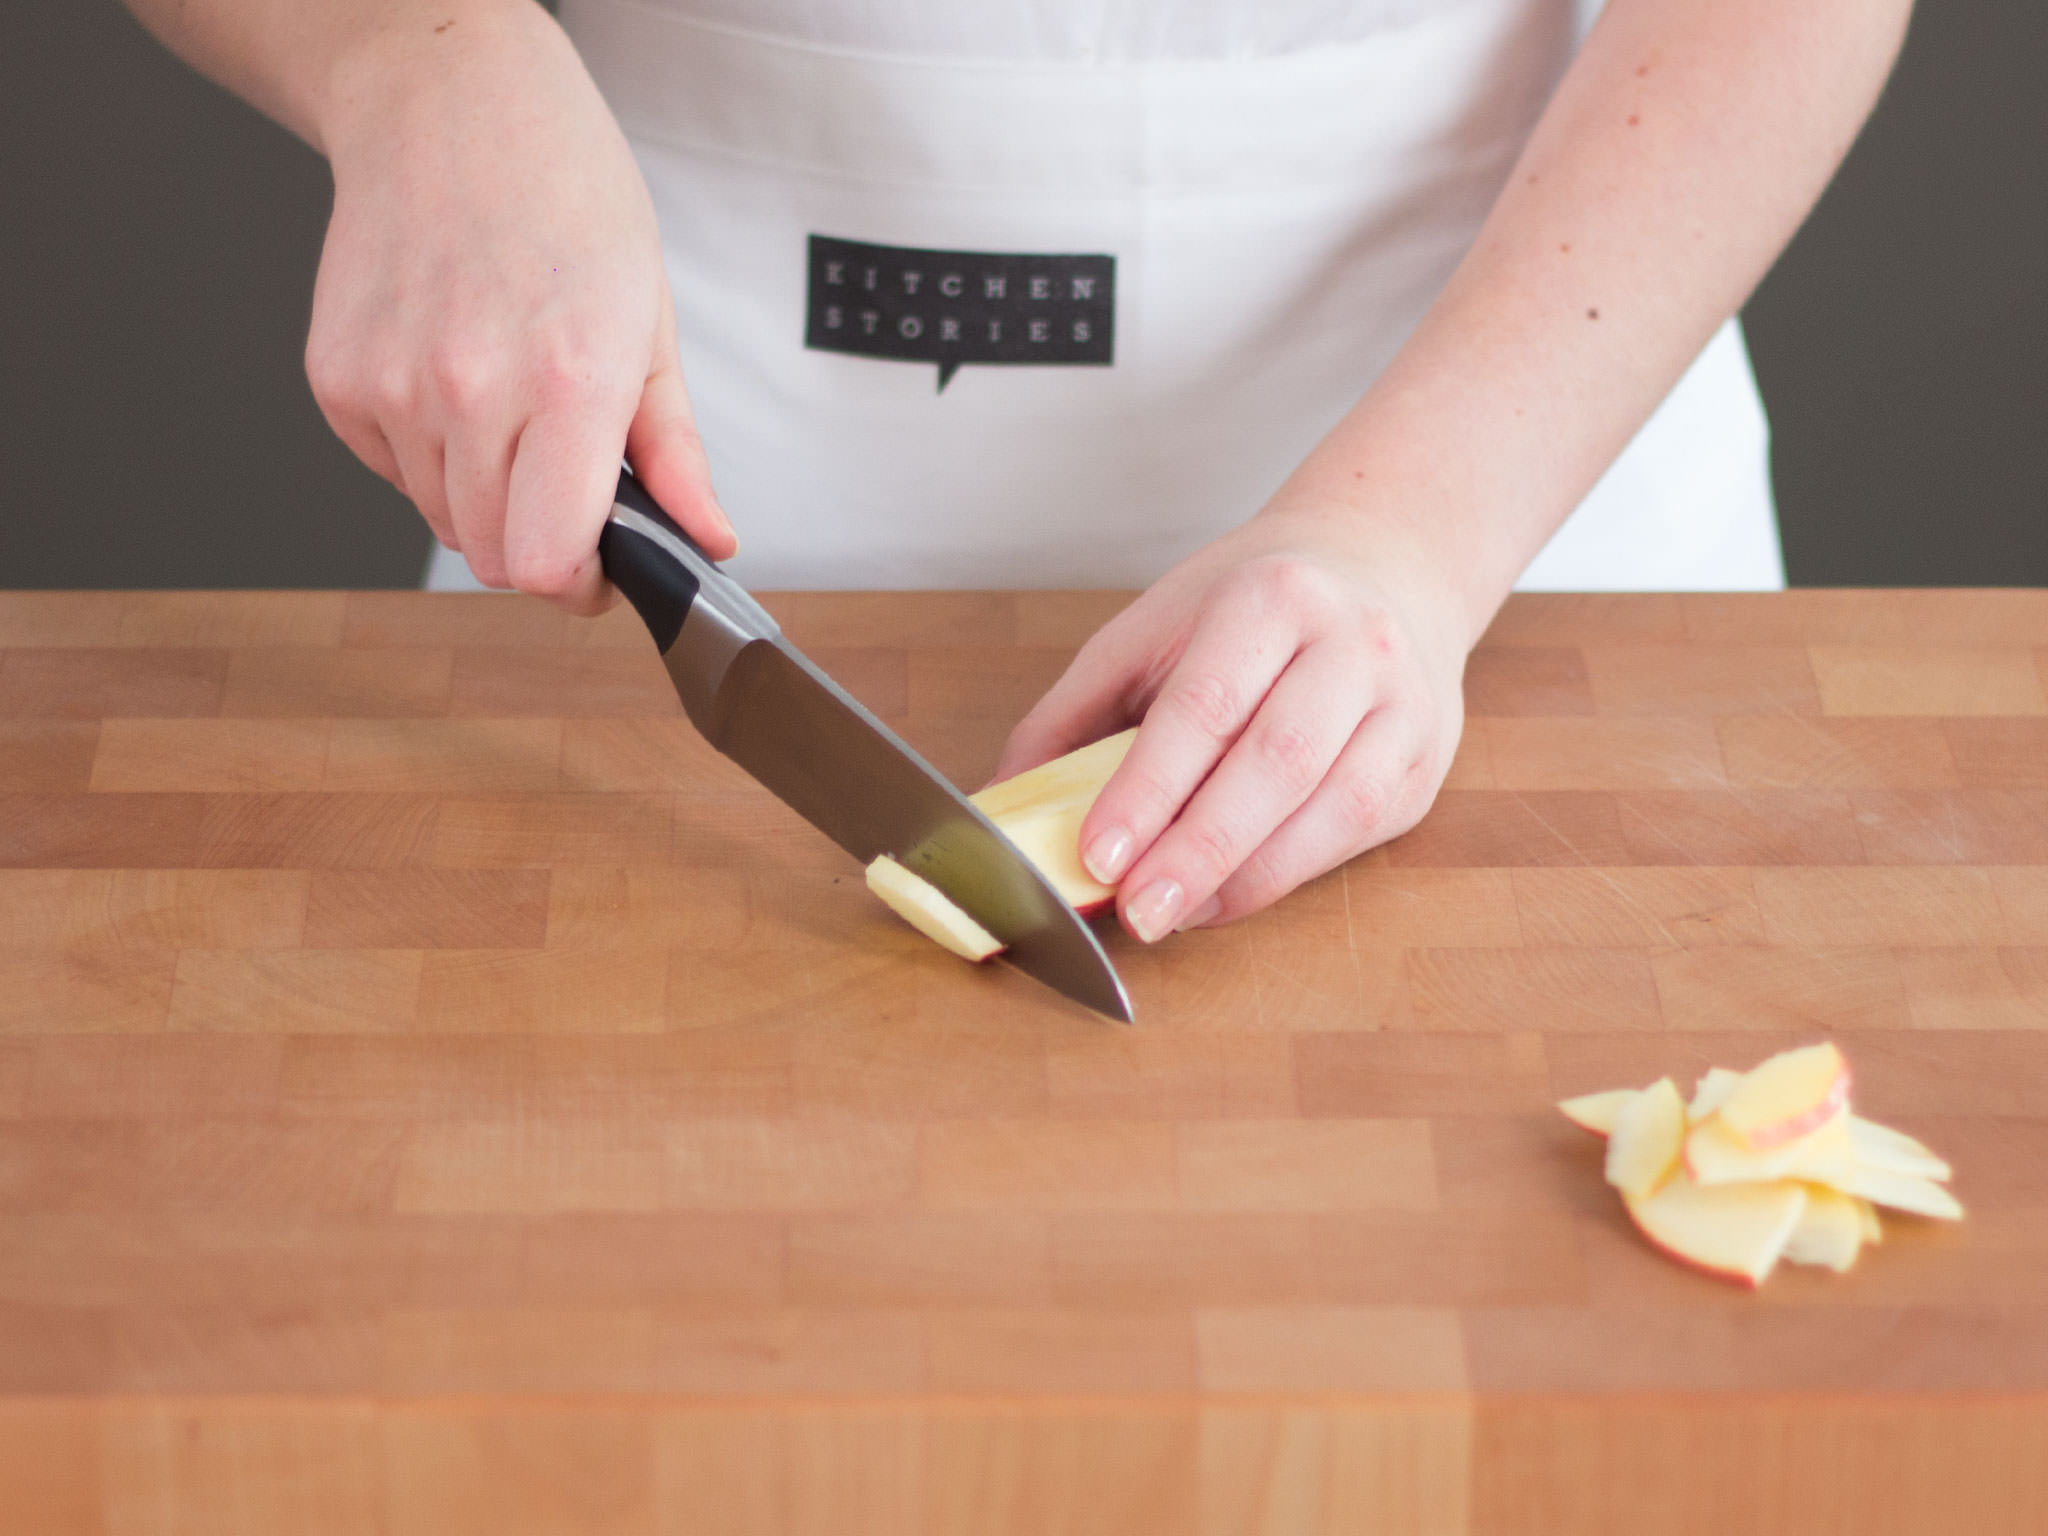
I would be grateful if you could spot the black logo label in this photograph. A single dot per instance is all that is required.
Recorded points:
(957, 307)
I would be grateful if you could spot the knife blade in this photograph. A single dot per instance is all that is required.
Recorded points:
(768, 707)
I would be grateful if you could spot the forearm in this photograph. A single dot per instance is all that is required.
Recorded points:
(296, 61)
(1682, 150)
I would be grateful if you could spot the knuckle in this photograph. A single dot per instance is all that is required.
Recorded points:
(1210, 849)
(682, 432)
(328, 372)
(1208, 702)
(1286, 587)
(1289, 755)
(1410, 800)
(1293, 585)
(1376, 631)
(393, 391)
(1363, 803)
(564, 375)
(463, 378)
(541, 572)
(1150, 802)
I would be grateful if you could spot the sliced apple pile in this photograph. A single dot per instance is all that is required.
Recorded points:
(1761, 1165)
(1041, 812)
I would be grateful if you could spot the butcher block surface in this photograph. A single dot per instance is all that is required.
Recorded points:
(438, 1094)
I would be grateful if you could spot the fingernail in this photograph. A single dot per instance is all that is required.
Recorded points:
(1109, 855)
(1152, 910)
(1205, 913)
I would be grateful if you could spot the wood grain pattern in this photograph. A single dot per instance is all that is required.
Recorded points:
(439, 1094)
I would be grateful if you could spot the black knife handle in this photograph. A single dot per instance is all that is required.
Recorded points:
(659, 584)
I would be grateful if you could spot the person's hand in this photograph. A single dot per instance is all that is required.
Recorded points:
(1300, 698)
(492, 330)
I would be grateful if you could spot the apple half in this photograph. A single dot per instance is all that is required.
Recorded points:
(1041, 811)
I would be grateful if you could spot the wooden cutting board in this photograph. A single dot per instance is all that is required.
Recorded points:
(437, 1094)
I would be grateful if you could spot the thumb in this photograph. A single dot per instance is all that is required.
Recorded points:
(666, 453)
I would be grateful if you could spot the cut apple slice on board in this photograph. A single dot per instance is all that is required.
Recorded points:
(1595, 1112)
(1715, 1155)
(1648, 1136)
(1751, 1146)
(1902, 1192)
(1711, 1092)
(1787, 1096)
(1041, 812)
(1829, 1232)
(919, 904)
(1737, 1231)
(1879, 1146)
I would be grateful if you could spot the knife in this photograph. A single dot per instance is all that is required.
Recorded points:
(765, 705)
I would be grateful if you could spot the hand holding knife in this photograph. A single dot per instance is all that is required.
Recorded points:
(765, 705)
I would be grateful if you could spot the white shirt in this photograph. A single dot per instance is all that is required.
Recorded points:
(1282, 187)
(1063, 31)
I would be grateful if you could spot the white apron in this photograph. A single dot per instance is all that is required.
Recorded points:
(1278, 224)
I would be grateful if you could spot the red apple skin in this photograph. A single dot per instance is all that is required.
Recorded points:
(1691, 1263)
(1733, 1275)
(1089, 910)
(1836, 1102)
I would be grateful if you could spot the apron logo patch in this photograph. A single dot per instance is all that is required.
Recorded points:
(958, 307)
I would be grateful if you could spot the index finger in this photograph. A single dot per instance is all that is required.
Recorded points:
(1271, 770)
(565, 473)
(1231, 660)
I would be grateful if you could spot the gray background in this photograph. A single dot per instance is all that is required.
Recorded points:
(158, 242)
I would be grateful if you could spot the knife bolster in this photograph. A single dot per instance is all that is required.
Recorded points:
(705, 647)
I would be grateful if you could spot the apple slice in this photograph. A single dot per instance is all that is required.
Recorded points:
(1711, 1092)
(1902, 1192)
(1595, 1112)
(1830, 1230)
(1041, 812)
(919, 903)
(1879, 1146)
(1846, 1164)
(1648, 1136)
(1863, 1151)
(1787, 1096)
(1736, 1231)
(1760, 1166)
(1715, 1155)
